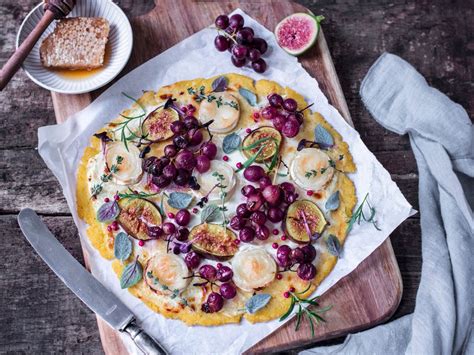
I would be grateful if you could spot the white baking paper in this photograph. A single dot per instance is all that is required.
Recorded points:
(61, 147)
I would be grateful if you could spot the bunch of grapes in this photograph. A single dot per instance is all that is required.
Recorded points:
(304, 256)
(284, 114)
(263, 203)
(186, 153)
(241, 42)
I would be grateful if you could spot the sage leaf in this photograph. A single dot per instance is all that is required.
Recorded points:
(220, 84)
(231, 143)
(210, 213)
(333, 202)
(257, 302)
(179, 200)
(108, 212)
(323, 137)
(333, 245)
(249, 96)
(131, 275)
(122, 246)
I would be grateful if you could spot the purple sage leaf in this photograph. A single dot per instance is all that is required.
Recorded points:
(108, 212)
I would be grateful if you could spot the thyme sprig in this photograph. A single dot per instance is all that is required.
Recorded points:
(359, 215)
(106, 177)
(223, 194)
(200, 95)
(313, 172)
(312, 315)
(174, 293)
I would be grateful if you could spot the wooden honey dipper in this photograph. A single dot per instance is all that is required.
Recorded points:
(53, 10)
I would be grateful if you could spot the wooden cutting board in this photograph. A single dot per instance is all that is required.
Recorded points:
(372, 292)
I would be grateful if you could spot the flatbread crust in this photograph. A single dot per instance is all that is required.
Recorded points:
(233, 310)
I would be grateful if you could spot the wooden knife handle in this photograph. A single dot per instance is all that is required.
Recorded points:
(15, 61)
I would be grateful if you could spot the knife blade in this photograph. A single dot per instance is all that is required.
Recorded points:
(100, 300)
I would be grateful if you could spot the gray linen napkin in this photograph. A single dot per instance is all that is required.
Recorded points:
(442, 138)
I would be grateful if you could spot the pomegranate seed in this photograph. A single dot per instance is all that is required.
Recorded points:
(171, 215)
(219, 265)
(279, 276)
(309, 192)
(116, 197)
(237, 241)
(239, 165)
(275, 245)
(284, 237)
(248, 130)
(275, 232)
(184, 109)
(106, 199)
(225, 158)
(286, 294)
(109, 228)
(195, 210)
(141, 243)
(292, 289)
(256, 115)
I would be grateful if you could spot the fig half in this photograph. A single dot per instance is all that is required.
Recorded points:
(303, 220)
(213, 241)
(136, 215)
(267, 137)
(156, 127)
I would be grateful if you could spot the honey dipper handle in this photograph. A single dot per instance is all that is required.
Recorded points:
(15, 61)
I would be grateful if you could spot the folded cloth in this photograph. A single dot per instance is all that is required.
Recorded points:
(442, 138)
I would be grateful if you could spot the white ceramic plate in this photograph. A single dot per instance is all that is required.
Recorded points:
(120, 46)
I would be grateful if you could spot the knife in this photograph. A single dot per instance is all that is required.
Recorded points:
(82, 283)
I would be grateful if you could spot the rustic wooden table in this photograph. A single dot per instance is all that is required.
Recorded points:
(40, 315)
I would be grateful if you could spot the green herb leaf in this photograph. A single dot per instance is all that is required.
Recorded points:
(250, 160)
(231, 143)
(257, 302)
(249, 96)
(333, 245)
(108, 212)
(333, 201)
(323, 137)
(220, 84)
(131, 275)
(122, 246)
(179, 200)
(210, 213)
(290, 309)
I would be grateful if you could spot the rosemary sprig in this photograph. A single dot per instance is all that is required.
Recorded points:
(250, 160)
(359, 215)
(312, 315)
(136, 194)
(106, 177)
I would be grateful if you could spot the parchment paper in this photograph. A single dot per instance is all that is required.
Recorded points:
(61, 147)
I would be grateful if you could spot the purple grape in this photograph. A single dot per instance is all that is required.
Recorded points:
(290, 105)
(275, 214)
(249, 29)
(238, 62)
(207, 271)
(254, 54)
(214, 303)
(275, 100)
(170, 150)
(222, 21)
(161, 181)
(180, 141)
(244, 36)
(154, 232)
(247, 234)
(290, 197)
(192, 260)
(279, 121)
(309, 252)
(291, 128)
(221, 43)
(260, 44)
(239, 51)
(297, 256)
(254, 202)
(269, 112)
(195, 136)
(183, 217)
(209, 149)
(283, 256)
(224, 274)
(182, 177)
(254, 173)
(177, 127)
(185, 160)
(262, 232)
(202, 163)
(170, 171)
(242, 211)
(264, 182)
(259, 65)
(185, 248)
(168, 228)
(272, 194)
(248, 190)
(193, 184)
(191, 122)
(236, 22)
(176, 249)
(287, 186)
(149, 164)
(181, 234)
(227, 291)
(237, 223)
(306, 271)
(298, 116)
(258, 217)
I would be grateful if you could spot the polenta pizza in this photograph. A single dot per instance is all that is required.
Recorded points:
(218, 199)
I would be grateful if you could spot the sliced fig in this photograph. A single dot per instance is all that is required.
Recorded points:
(303, 221)
(156, 127)
(213, 241)
(267, 137)
(298, 32)
(136, 215)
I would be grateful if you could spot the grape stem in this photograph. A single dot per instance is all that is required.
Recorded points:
(227, 35)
